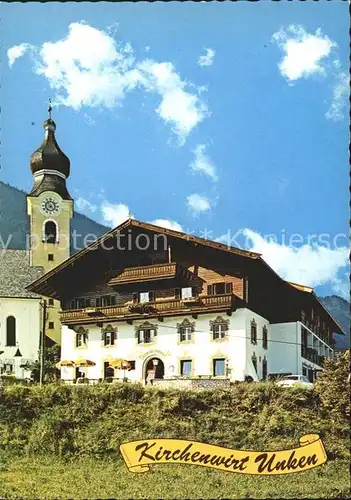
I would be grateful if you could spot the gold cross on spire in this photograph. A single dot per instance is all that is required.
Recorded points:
(49, 109)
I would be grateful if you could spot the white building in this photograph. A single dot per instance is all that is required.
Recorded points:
(20, 313)
(188, 308)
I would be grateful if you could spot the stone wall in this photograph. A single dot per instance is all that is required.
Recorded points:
(188, 383)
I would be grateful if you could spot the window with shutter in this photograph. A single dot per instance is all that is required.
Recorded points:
(146, 333)
(264, 368)
(177, 293)
(185, 330)
(228, 287)
(253, 332)
(264, 337)
(254, 362)
(219, 328)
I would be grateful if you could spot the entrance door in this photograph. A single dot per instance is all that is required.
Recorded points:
(154, 369)
(108, 371)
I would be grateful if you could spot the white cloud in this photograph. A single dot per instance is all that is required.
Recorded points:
(203, 163)
(178, 106)
(84, 205)
(114, 213)
(89, 68)
(168, 224)
(340, 98)
(197, 203)
(310, 265)
(206, 59)
(304, 53)
(17, 51)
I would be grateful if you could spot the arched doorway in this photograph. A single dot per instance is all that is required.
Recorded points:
(154, 368)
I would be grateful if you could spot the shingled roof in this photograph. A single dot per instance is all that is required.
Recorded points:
(16, 274)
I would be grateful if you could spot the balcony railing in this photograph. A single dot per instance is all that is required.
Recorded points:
(312, 355)
(166, 307)
(317, 330)
(150, 273)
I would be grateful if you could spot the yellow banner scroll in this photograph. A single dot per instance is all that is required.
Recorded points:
(138, 455)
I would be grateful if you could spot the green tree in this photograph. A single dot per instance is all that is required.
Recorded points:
(333, 386)
(52, 356)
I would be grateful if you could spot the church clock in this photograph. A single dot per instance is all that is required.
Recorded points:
(50, 206)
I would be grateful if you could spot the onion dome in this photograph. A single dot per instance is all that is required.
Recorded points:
(49, 156)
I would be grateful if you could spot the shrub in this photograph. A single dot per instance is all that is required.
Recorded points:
(333, 386)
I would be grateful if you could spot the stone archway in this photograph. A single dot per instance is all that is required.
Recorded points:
(153, 368)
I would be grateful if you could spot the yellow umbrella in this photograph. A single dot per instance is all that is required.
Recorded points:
(64, 363)
(83, 363)
(119, 364)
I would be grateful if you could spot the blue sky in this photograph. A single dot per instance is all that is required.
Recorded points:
(228, 120)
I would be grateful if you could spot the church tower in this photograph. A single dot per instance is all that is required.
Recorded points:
(50, 209)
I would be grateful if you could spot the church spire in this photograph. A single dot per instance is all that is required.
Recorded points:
(49, 164)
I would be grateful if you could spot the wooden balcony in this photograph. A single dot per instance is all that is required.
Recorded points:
(146, 274)
(160, 308)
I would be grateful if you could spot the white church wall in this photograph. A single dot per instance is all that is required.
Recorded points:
(27, 314)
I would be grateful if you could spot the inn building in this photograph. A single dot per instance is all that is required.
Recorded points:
(153, 305)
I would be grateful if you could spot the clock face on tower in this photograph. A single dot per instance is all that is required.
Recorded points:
(50, 206)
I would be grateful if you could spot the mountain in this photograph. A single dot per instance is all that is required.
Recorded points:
(339, 308)
(14, 222)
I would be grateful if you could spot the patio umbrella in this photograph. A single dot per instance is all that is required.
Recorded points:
(119, 364)
(83, 363)
(64, 363)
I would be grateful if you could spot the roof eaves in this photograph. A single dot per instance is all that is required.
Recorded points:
(151, 227)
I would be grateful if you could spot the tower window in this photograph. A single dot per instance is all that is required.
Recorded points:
(50, 232)
(51, 302)
(51, 257)
(51, 325)
(11, 331)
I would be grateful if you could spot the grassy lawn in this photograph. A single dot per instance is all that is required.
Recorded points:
(50, 477)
